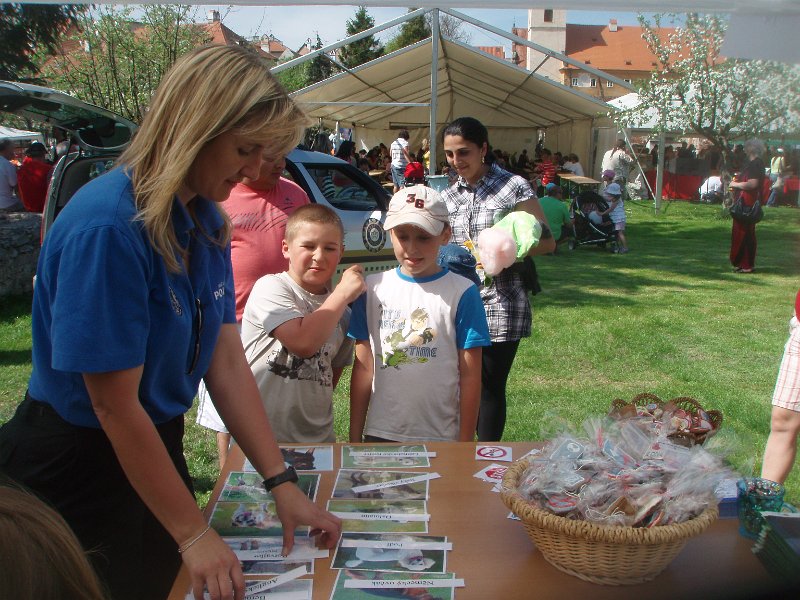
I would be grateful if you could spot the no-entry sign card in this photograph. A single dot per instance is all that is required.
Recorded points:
(502, 453)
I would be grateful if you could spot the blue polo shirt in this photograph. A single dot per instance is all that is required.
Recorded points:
(104, 301)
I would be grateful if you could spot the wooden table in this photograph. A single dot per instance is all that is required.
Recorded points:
(576, 182)
(497, 560)
(579, 179)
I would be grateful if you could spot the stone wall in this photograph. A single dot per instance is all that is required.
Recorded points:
(19, 251)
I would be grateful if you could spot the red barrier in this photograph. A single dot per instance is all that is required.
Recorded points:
(677, 187)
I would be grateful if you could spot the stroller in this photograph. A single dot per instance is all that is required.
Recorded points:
(589, 228)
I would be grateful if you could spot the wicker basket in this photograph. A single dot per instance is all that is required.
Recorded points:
(600, 554)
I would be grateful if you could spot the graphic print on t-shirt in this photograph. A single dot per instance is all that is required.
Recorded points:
(256, 221)
(406, 339)
(314, 368)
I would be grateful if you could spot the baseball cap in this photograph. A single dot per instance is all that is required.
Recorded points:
(418, 205)
(613, 189)
(609, 174)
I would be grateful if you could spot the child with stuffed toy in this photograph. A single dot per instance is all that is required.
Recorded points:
(419, 332)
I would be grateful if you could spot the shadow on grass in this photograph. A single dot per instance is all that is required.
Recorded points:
(18, 358)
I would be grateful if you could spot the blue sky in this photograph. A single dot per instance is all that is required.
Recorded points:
(294, 24)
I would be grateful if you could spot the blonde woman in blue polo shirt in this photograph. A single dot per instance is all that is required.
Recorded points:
(133, 305)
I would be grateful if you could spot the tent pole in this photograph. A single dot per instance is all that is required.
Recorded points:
(660, 170)
(435, 34)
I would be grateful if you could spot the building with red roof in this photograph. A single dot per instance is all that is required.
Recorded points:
(618, 50)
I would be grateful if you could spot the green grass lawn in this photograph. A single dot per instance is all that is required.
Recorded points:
(669, 318)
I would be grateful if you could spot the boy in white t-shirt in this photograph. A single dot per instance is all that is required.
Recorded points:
(400, 158)
(294, 328)
(419, 330)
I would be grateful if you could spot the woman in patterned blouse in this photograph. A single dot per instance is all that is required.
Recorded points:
(481, 196)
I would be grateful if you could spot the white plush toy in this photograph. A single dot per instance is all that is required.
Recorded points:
(509, 239)
(497, 249)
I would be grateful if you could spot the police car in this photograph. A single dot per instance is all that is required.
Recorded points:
(358, 199)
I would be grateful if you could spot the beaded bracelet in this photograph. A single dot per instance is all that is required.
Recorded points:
(191, 542)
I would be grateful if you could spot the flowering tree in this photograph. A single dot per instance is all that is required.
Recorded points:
(694, 89)
(116, 62)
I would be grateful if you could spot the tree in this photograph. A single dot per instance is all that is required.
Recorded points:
(28, 31)
(320, 67)
(294, 78)
(364, 50)
(449, 27)
(411, 32)
(117, 63)
(694, 89)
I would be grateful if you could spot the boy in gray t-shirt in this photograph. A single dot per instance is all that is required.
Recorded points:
(294, 328)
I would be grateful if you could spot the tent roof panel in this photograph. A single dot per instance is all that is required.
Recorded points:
(470, 81)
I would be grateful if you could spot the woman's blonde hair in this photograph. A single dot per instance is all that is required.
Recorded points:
(209, 91)
(40, 556)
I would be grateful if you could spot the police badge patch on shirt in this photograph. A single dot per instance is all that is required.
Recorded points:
(173, 299)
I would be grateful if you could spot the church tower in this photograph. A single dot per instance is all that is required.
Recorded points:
(548, 28)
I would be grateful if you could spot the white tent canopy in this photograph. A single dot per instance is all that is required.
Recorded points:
(469, 81)
(394, 92)
(650, 119)
(425, 86)
(9, 133)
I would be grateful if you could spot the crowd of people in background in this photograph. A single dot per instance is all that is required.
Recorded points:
(540, 169)
(24, 178)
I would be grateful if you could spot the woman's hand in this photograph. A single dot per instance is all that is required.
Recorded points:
(294, 508)
(213, 565)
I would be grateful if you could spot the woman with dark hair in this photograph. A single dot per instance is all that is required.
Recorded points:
(481, 196)
(347, 152)
(373, 156)
(322, 143)
(749, 182)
